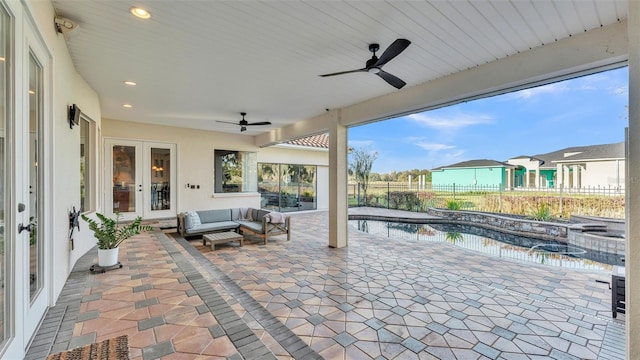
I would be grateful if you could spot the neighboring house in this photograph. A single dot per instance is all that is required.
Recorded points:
(575, 167)
(473, 173)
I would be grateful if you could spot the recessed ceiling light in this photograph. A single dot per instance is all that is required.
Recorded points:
(140, 12)
(130, 83)
(127, 105)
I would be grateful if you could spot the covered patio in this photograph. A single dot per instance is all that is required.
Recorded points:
(299, 299)
(178, 81)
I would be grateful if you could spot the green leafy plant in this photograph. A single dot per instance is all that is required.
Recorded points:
(542, 213)
(454, 205)
(453, 237)
(110, 234)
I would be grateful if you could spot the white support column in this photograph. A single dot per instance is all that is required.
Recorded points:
(559, 176)
(526, 178)
(338, 163)
(576, 174)
(538, 181)
(632, 257)
(579, 183)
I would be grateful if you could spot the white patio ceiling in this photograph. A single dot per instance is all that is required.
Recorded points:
(196, 62)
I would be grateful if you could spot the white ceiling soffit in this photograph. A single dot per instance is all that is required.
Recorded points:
(196, 62)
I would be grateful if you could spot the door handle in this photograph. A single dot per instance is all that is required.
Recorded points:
(22, 227)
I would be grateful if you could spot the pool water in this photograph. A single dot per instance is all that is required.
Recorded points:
(494, 243)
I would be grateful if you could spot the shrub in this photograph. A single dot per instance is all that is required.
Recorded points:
(542, 213)
(403, 200)
(454, 205)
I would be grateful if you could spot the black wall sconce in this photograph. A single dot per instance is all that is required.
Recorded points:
(74, 115)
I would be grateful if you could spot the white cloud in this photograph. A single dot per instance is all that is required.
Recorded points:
(361, 143)
(451, 122)
(434, 146)
(621, 90)
(446, 158)
(544, 89)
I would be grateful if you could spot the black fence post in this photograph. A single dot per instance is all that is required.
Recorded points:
(388, 194)
(358, 194)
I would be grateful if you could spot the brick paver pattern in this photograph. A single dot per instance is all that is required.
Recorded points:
(378, 298)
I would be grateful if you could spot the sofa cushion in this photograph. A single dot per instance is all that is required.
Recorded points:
(258, 214)
(210, 216)
(235, 214)
(191, 219)
(255, 226)
(214, 226)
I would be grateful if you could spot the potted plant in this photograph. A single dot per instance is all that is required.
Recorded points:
(110, 234)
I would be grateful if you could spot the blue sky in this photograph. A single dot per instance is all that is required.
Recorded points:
(588, 110)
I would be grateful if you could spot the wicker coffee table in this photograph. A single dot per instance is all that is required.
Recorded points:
(221, 238)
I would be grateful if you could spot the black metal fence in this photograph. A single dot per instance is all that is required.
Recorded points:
(592, 201)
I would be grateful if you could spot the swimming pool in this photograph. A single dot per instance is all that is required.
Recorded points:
(494, 243)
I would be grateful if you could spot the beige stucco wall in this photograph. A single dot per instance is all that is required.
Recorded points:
(604, 174)
(195, 161)
(63, 145)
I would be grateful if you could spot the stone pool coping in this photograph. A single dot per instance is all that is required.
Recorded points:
(588, 235)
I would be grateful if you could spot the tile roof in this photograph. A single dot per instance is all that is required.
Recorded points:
(316, 141)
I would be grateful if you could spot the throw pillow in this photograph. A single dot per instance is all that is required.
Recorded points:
(192, 219)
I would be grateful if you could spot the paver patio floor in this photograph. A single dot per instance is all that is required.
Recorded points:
(375, 299)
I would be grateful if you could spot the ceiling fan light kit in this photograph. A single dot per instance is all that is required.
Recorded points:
(244, 123)
(375, 64)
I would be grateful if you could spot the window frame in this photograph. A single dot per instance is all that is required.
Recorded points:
(87, 129)
(248, 168)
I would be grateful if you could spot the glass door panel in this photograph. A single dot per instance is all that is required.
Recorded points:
(160, 175)
(124, 179)
(4, 175)
(35, 176)
(289, 187)
(307, 183)
(269, 186)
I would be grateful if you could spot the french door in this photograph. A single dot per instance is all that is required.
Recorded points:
(141, 179)
(33, 140)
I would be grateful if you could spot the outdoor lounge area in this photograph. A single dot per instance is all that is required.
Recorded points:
(300, 299)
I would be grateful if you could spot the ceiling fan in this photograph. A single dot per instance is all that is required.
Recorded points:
(244, 123)
(374, 65)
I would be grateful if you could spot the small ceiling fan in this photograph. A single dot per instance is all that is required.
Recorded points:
(374, 65)
(244, 123)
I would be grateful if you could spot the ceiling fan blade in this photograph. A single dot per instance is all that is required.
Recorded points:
(227, 122)
(392, 51)
(391, 79)
(343, 72)
(259, 123)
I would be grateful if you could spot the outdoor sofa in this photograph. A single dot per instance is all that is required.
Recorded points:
(257, 222)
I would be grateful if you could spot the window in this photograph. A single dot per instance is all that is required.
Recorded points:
(287, 187)
(235, 171)
(86, 178)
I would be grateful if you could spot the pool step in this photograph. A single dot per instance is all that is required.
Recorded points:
(588, 227)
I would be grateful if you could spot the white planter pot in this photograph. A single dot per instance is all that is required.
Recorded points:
(108, 257)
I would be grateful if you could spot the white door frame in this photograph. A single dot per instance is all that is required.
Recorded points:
(31, 311)
(141, 185)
